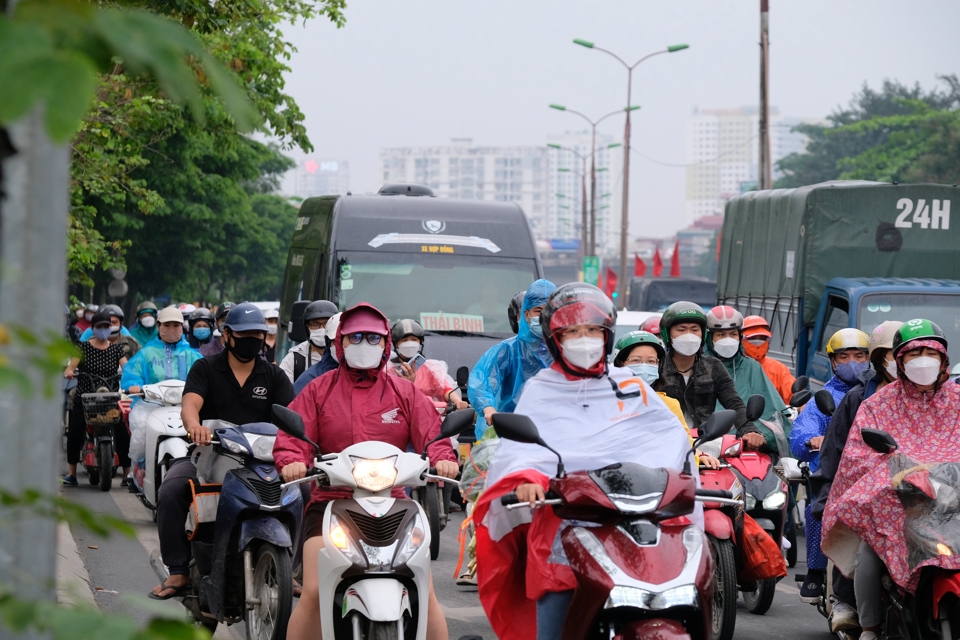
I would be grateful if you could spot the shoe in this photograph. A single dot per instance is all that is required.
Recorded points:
(125, 482)
(467, 580)
(843, 617)
(868, 635)
(69, 481)
(811, 589)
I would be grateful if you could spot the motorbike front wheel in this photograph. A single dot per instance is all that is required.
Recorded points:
(105, 460)
(383, 631)
(431, 505)
(760, 600)
(724, 589)
(273, 582)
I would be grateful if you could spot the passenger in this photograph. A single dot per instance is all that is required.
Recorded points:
(84, 322)
(756, 344)
(145, 328)
(270, 344)
(310, 351)
(201, 327)
(499, 375)
(327, 406)
(513, 310)
(429, 376)
(328, 362)
(215, 346)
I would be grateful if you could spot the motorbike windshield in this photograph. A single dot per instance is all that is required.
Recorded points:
(445, 293)
(943, 309)
(930, 495)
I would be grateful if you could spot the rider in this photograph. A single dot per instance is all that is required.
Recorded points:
(86, 320)
(201, 327)
(593, 416)
(725, 342)
(513, 310)
(652, 324)
(847, 349)
(272, 317)
(698, 381)
(429, 376)
(922, 412)
(327, 405)
(166, 357)
(328, 362)
(235, 386)
(145, 328)
(756, 344)
(213, 347)
(304, 355)
(501, 372)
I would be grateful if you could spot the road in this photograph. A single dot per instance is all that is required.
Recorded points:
(121, 575)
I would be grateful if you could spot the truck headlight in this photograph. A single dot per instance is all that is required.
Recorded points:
(374, 475)
(411, 540)
(339, 538)
(774, 500)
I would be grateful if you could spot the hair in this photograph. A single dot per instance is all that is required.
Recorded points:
(878, 360)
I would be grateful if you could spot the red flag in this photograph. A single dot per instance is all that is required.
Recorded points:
(639, 267)
(657, 263)
(611, 282)
(675, 261)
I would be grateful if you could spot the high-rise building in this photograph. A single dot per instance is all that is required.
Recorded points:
(316, 177)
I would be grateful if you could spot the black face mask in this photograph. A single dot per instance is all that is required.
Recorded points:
(245, 349)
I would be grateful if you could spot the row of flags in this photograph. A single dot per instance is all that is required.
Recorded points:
(640, 270)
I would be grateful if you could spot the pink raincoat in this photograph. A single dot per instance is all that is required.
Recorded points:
(863, 503)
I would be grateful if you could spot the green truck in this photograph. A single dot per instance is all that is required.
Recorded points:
(816, 259)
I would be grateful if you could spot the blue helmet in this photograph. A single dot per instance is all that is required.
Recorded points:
(246, 316)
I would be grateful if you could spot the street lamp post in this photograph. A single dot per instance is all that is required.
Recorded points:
(583, 195)
(624, 212)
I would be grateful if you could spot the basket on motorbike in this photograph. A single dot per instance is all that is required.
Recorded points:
(101, 408)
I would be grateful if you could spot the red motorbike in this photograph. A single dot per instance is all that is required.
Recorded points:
(102, 413)
(643, 570)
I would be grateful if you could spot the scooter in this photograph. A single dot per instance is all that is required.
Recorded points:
(166, 440)
(643, 570)
(243, 527)
(101, 412)
(374, 568)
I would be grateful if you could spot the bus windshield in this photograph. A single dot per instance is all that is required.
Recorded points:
(445, 293)
(944, 310)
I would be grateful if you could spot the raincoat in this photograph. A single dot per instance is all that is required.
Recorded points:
(591, 428)
(776, 371)
(158, 361)
(142, 334)
(863, 503)
(327, 363)
(358, 405)
(499, 375)
(432, 378)
(812, 423)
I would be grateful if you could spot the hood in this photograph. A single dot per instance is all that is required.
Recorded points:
(387, 346)
(537, 294)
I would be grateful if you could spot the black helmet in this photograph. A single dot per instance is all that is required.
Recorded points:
(100, 317)
(404, 329)
(245, 316)
(147, 305)
(224, 309)
(319, 310)
(577, 303)
(113, 311)
(513, 310)
(202, 314)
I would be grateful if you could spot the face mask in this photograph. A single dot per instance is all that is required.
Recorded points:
(245, 349)
(757, 351)
(102, 334)
(584, 352)
(317, 336)
(923, 370)
(363, 355)
(80, 314)
(535, 327)
(148, 321)
(202, 333)
(171, 335)
(333, 352)
(848, 371)
(726, 347)
(115, 330)
(649, 373)
(272, 329)
(409, 349)
(891, 367)
(88, 316)
(686, 344)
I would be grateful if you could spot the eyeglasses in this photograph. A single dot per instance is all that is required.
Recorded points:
(313, 325)
(639, 360)
(590, 331)
(371, 338)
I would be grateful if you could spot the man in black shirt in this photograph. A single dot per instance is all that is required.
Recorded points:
(235, 386)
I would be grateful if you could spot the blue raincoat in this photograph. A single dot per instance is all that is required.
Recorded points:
(159, 361)
(499, 375)
(812, 423)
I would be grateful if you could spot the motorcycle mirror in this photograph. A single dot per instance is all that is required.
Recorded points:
(520, 428)
(291, 423)
(879, 440)
(800, 384)
(801, 398)
(719, 423)
(825, 403)
(755, 406)
(463, 377)
(298, 332)
(454, 424)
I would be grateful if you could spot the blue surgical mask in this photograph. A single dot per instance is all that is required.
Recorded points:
(535, 327)
(848, 371)
(649, 373)
(201, 333)
(102, 334)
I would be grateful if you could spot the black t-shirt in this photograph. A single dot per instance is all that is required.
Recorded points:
(224, 399)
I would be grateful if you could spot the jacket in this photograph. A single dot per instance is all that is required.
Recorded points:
(776, 371)
(327, 363)
(142, 334)
(158, 361)
(431, 378)
(304, 350)
(812, 423)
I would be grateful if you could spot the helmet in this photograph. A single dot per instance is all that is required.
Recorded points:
(146, 305)
(848, 339)
(577, 303)
(652, 324)
(245, 316)
(224, 309)
(724, 317)
(404, 329)
(918, 329)
(513, 310)
(91, 307)
(882, 336)
(756, 326)
(113, 311)
(202, 314)
(272, 314)
(624, 345)
(318, 310)
(678, 313)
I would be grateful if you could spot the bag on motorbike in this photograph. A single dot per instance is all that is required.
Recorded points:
(203, 508)
(474, 477)
(760, 556)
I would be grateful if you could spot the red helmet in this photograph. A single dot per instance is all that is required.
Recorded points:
(652, 324)
(572, 304)
(756, 326)
(724, 317)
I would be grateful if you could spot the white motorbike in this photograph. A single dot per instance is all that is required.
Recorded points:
(374, 568)
(166, 439)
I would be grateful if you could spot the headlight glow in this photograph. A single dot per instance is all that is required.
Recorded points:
(943, 549)
(751, 502)
(412, 539)
(374, 475)
(621, 596)
(774, 500)
(340, 539)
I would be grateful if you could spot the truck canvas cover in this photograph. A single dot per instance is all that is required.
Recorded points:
(787, 243)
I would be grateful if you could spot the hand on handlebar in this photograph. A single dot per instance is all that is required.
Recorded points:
(199, 434)
(294, 471)
(447, 469)
(815, 443)
(68, 373)
(488, 415)
(134, 389)
(708, 461)
(531, 493)
(752, 440)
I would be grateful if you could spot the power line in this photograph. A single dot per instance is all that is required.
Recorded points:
(694, 164)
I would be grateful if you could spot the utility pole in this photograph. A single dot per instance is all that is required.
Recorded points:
(593, 191)
(765, 181)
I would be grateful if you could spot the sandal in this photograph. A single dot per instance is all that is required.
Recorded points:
(164, 586)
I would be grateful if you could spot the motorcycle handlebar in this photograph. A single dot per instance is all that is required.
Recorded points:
(508, 499)
(715, 493)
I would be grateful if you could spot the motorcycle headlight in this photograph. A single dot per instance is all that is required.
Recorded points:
(412, 539)
(774, 500)
(234, 447)
(750, 502)
(173, 395)
(733, 450)
(262, 446)
(374, 475)
(341, 540)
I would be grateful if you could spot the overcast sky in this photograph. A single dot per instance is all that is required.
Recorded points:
(420, 72)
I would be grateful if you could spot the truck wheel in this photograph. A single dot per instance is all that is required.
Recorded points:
(106, 465)
(760, 600)
(724, 589)
(273, 581)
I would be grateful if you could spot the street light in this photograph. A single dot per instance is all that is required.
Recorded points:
(624, 214)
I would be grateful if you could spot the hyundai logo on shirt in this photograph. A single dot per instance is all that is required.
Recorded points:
(260, 393)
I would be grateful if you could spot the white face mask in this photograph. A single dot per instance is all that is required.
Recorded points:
(584, 352)
(317, 336)
(686, 344)
(891, 367)
(923, 370)
(148, 321)
(271, 329)
(333, 353)
(726, 347)
(409, 349)
(363, 355)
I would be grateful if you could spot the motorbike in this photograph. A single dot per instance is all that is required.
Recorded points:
(101, 412)
(641, 567)
(243, 527)
(374, 568)
(166, 440)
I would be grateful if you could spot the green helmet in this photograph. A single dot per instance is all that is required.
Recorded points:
(624, 345)
(678, 312)
(918, 329)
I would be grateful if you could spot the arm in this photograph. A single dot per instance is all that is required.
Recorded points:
(831, 450)
(190, 414)
(286, 365)
(728, 397)
(808, 425)
(132, 378)
(288, 450)
(424, 427)
(484, 381)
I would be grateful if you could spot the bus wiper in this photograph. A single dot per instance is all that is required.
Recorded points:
(459, 334)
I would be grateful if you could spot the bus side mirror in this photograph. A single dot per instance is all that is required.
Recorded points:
(298, 333)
